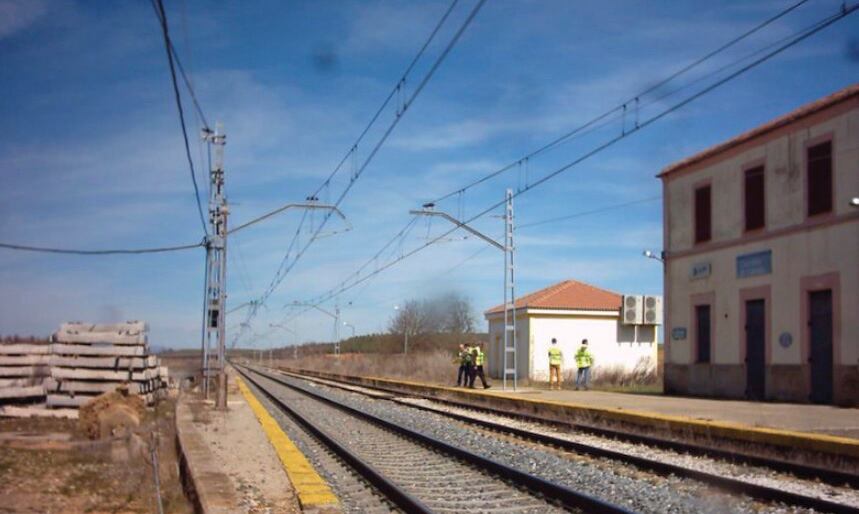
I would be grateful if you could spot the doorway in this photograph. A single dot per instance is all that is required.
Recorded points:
(755, 349)
(820, 354)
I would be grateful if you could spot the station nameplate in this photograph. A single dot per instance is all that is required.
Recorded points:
(678, 333)
(753, 264)
(699, 270)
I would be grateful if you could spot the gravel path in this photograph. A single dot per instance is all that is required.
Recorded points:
(441, 483)
(610, 480)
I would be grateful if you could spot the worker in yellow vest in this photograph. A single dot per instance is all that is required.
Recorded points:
(479, 358)
(465, 359)
(556, 359)
(584, 361)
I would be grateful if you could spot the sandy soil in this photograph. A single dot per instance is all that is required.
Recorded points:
(238, 441)
(47, 466)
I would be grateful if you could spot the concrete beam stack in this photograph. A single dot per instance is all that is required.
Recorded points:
(24, 367)
(83, 361)
(90, 359)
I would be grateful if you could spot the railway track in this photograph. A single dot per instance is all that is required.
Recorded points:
(418, 473)
(742, 485)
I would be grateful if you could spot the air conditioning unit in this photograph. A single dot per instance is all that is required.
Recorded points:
(632, 310)
(652, 310)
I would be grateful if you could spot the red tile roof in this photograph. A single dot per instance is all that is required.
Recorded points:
(570, 295)
(806, 110)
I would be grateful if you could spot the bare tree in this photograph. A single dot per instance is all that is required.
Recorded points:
(448, 313)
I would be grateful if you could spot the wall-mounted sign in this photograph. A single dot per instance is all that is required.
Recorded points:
(699, 270)
(753, 264)
(785, 339)
(678, 333)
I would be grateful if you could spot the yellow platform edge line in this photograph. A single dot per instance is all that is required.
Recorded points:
(776, 436)
(312, 490)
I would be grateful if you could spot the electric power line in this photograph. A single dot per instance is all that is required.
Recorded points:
(799, 37)
(588, 213)
(357, 174)
(168, 45)
(126, 251)
(622, 106)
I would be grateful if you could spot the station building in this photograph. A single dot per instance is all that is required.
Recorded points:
(761, 247)
(570, 311)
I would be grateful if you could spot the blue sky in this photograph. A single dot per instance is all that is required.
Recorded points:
(91, 154)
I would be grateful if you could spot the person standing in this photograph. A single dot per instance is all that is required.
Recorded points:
(464, 372)
(477, 370)
(584, 361)
(556, 359)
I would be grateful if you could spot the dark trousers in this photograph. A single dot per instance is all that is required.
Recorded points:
(462, 375)
(477, 371)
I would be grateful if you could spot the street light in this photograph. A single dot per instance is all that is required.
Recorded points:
(405, 332)
(651, 255)
(854, 202)
(350, 326)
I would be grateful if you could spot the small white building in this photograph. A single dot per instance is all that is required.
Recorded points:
(569, 311)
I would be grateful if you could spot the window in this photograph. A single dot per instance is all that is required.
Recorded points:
(755, 200)
(819, 178)
(703, 214)
(702, 333)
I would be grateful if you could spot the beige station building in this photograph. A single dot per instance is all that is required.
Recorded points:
(761, 249)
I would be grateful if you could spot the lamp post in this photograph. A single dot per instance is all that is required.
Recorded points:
(651, 255)
(335, 315)
(405, 332)
(350, 326)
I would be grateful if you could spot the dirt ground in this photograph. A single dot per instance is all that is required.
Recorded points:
(238, 442)
(49, 466)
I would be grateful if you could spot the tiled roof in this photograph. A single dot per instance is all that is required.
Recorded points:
(569, 294)
(802, 112)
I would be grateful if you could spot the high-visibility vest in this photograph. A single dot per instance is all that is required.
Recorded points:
(481, 358)
(555, 356)
(584, 359)
(465, 356)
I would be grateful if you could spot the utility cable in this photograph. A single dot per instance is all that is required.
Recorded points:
(129, 251)
(421, 85)
(801, 36)
(162, 16)
(621, 107)
(590, 212)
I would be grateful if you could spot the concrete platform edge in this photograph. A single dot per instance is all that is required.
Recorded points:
(821, 443)
(210, 490)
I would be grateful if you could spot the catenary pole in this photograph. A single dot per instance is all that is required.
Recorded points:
(214, 344)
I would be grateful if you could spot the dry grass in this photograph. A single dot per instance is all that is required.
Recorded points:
(435, 367)
(440, 367)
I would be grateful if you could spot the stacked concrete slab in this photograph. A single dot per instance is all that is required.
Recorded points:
(90, 359)
(24, 367)
(83, 361)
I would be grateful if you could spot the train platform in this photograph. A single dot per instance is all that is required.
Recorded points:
(813, 429)
(267, 474)
(821, 419)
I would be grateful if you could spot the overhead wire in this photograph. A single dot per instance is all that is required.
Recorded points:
(162, 17)
(604, 119)
(620, 108)
(122, 251)
(799, 37)
(360, 170)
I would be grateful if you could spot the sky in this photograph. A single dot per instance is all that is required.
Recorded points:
(92, 155)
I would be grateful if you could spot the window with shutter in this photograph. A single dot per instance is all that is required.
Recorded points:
(703, 214)
(819, 178)
(755, 200)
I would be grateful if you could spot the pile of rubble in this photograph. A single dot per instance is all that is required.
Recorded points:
(81, 361)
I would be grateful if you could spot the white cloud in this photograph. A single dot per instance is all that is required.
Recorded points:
(18, 15)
